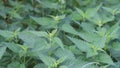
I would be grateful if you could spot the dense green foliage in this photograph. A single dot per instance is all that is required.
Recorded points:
(59, 33)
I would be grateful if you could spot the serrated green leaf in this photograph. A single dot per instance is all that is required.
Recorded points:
(68, 28)
(80, 12)
(2, 50)
(76, 16)
(39, 33)
(88, 36)
(92, 52)
(116, 46)
(28, 38)
(104, 58)
(64, 54)
(82, 45)
(88, 26)
(43, 20)
(49, 61)
(49, 4)
(113, 29)
(16, 48)
(100, 42)
(59, 42)
(15, 65)
(6, 34)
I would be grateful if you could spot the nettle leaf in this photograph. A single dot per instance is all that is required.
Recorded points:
(16, 65)
(4, 61)
(33, 39)
(3, 11)
(45, 21)
(100, 19)
(97, 41)
(86, 47)
(82, 45)
(108, 9)
(3, 25)
(114, 53)
(106, 17)
(39, 33)
(48, 4)
(64, 54)
(96, 19)
(75, 16)
(112, 2)
(116, 46)
(112, 31)
(57, 18)
(91, 11)
(90, 65)
(101, 32)
(93, 16)
(74, 49)
(28, 38)
(80, 12)
(88, 26)
(104, 58)
(6, 34)
(49, 61)
(116, 66)
(88, 36)
(68, 28)
(16, 48)
(40, 44)
(100, 42)
(113, 11)
(16, 4)
(80, 63)
(2, 51)
(91, 52)
(59, 42)
(15, 15)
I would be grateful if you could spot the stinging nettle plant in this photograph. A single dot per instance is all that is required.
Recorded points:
(59, 34)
